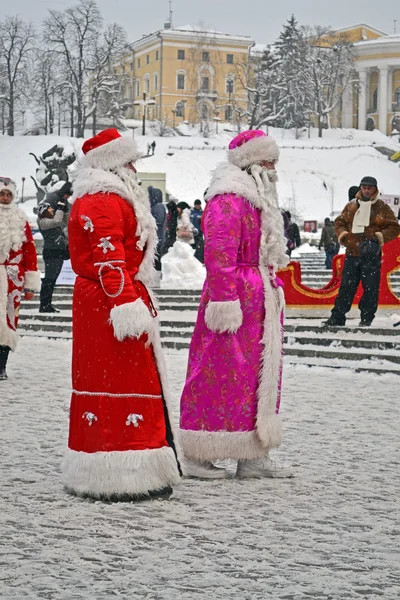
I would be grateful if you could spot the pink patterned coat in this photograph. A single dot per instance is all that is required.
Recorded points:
(231, 398)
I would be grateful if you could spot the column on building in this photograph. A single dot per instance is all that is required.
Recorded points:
(383, 98)
(347, 106)
(362, 99)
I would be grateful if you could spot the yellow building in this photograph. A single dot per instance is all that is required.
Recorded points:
(186, 74)
(373, 102)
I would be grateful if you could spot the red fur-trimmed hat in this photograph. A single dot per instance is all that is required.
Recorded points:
(108, 150)
(8, 184)
(252, 146)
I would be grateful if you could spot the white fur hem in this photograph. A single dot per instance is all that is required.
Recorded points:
(32, 281)
(132, 319)
(105, 474)
(220, 445)
(224, 316)
(254, 151)
(8, 337)
(115, 154)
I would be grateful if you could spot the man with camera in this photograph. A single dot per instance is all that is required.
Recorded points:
(365, 225)
(53, 224)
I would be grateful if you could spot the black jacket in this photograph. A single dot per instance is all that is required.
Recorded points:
(54, 230)
(159, 212)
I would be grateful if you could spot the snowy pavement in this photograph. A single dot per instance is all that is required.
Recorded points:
(330, 533)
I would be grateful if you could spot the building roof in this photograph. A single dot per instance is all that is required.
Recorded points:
(357, 26)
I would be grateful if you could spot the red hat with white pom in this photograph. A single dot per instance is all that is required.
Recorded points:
(108, 150)
(251, 147)
(8, 184)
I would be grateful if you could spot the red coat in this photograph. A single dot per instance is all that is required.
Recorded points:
(18, 273)
(120, 438)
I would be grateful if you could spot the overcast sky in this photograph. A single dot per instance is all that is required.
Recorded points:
(260, 19)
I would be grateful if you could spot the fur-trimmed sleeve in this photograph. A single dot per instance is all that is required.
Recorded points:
(31, 273)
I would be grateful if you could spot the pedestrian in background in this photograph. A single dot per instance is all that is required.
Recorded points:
(364, 226)
(172, 223)
(53, 223)
(329, 242)
(196, 215)
(292, 233)
(159, 213)
(19, 275)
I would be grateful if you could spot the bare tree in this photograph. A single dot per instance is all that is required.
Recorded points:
(327, 72)
(16, 44)
(103, 81)
(73, 34)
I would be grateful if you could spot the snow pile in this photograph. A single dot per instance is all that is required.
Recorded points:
(307, 249)
(180, 269)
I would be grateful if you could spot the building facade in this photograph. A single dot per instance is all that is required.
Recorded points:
(186, 74)
(373, 102)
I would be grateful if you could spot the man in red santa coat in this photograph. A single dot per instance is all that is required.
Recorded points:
(120, 441)
(19, 274)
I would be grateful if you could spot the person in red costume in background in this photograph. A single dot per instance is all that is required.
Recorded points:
(19, 275)
(120, 442)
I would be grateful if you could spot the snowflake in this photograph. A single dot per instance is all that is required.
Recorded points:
(106, 244)
(89, 417)
(88, 226)
(133, 419)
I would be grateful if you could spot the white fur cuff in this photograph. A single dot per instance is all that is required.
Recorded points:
(131, 320)
(380, 237)
(32, 281)
(342, 236)
(224, 316)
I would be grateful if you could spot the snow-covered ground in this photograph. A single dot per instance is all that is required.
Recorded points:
(314, 173)
(329, 534)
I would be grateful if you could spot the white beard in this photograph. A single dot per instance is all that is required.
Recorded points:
(12, 229)
(273, 228)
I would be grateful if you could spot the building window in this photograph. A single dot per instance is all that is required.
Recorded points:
(228, 113)
(147, 59)
(147, 85)
(206, 57)
(375, 100)
(205, 84)
(180, 84)
(229, 59)
(132, 66)
(138, 63)
(122, 68)
(157, 54)
(180, 109)
(230, 85)
(181, 55)
(137, 88)
(155, 81)
(397, 99)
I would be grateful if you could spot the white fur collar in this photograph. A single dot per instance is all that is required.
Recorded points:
(89, 181)
(229, 179)
(12, 229)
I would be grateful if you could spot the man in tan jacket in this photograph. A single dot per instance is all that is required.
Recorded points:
(365, 224)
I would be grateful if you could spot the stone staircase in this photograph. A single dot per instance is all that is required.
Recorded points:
(375, 349)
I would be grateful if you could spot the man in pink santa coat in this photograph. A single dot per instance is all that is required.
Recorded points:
(230, 402)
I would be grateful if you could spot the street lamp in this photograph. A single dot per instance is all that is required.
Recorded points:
(173, 122)
(59, 117)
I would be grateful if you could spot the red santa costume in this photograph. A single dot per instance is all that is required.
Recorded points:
(120, 440)
(18, 267)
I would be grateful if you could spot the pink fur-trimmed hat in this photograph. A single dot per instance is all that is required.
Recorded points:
(252, 146)
(109, 150)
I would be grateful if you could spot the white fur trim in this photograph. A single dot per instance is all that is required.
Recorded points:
(132, 319)
(11, 187)
(229, 179)
(12, 229)
(254, 151)
(342, 236)
(124, 184)
(8, 337)
(224, 316)
(32, 281)
(220, 445)
(380, 237)
(104, 474)
(115, 154)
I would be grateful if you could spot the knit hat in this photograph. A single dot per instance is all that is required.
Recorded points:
(369, 181)
(108, 150)
(250, 147)
(8, 184)
(43, 207)
(353, 191)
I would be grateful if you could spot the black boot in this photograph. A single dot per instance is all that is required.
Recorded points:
(48, 309)
(4, 352)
